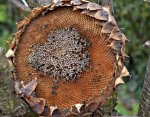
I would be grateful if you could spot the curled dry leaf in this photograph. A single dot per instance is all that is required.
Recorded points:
(74, 109)
(29, 88)
(36, 104)
(57, 113)
(116, 45)
(76, 2)
(101, 15)
(107, 28)
(124, 72)
(72, 114)
(91, 107)
(119, 81)
(82, 6)
(11, 65)
(17, 88)
(93, 6)
(10, 53)
(25, 90)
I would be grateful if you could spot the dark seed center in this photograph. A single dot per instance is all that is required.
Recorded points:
(64, 56)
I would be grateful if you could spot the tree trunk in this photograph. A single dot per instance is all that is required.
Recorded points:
(144, 109)
(10, 104)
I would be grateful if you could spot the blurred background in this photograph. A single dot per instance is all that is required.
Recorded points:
(133, 18)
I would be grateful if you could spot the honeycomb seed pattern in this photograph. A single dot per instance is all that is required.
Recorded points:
(64, 56)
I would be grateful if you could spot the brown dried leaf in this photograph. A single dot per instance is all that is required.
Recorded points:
(76, 2)
(107, 8)
(108, 27)
(91, 13)
(20, 24)
(84, 1)
(10, 53)
(115, 34)
(82, 109)
(29, 88)
(64, 0)
(101, 15)
(67, 4)
(53, 5)
(72, 114)
(36, 104)
(82, 6)
(91, 107)
(119, 64)
(112, 19)
(46, 111)
(17, 88)
(36, 11)
(59, 3)
(124, 72)
(26, 21)
(118, 81)
(116, 45)
(85, 12)
(11, 65)
(74, 109)
(124, 39)
(87, 115)
(93, 6)
(117, 57)
(57, 113)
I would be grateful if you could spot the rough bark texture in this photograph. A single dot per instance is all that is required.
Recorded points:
(144, 110)
(10, 103)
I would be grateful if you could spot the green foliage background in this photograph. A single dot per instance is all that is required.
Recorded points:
(133, 18)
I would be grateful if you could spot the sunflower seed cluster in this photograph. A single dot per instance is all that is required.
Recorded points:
(64, 55)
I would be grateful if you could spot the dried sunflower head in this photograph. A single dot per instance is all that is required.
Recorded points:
(75, 50)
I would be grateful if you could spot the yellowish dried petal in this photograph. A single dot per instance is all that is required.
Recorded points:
(119, 80)
(93, 6)
(82, 6)
(10, 53)
(76, 2)
(124, 72)
(101, 15)
(116, 34)
(108, 27)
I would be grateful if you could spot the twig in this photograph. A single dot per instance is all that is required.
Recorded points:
(108, 3)
(20, 5)
(25, 3)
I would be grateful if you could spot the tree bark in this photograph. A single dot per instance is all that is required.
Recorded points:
(144, 109)
(10, 104)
